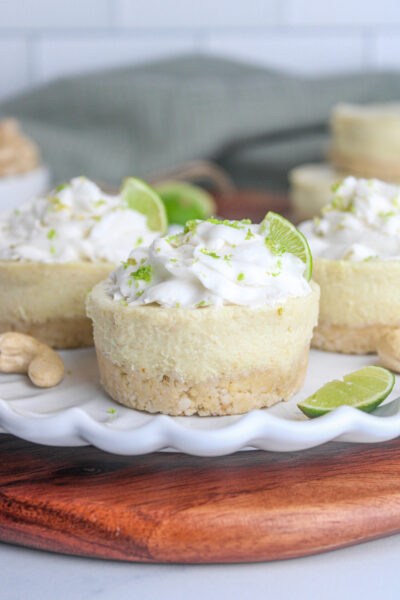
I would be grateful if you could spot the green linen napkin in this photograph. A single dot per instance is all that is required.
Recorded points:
(255, 122)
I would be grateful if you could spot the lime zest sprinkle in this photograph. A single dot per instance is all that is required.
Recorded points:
(174, 240)
(139, 241)
(249, 235)
(139, 293)
(51, 234)
(16, 211)
(191, 226)
(98, 203)
(279, 267)
(111, 411)
(227, 223)
(177, 305)
(372, 257)
(89, 290)
(202, 303)
(240, 277)
(124, 302)
(386, 215)
(340, 204)
(142, 273)
(58, 205)
(209, 253)
(130, 261)
(336, 186)
(174, 260)
(234, 224)
(52, 249)
(60, 187)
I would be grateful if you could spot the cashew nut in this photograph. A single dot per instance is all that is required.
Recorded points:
(389, 350)
(20, 353)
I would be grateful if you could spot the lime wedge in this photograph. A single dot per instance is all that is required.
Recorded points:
(287, 238)
(185, 202)
(141, 197)
(364, 389)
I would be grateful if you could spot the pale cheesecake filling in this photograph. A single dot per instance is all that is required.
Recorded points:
(75, 222)
(361, 223)
(214, 263)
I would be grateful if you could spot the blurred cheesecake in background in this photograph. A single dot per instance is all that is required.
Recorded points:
(22, 176)
(311, 188)
(366, 140)
(365, 143)
(356, 262)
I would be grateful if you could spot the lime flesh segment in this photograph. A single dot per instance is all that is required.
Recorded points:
(364, 389)
(287, 237)
(141, 197)
(185, 202)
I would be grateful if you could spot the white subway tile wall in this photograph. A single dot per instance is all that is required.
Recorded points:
(44, 39)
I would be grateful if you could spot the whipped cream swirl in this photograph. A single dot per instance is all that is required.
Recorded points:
(210, 263)
(75, 222)
(361, 223)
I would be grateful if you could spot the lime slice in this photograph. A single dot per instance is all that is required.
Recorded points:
(141, 197)
(364, 389)
(185, 202)
(286, 237)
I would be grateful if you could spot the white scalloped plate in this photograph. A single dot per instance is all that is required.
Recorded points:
(76, 413)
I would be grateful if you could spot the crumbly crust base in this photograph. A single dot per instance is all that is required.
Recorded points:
(221, 396)
(348, 340)
(58, 333)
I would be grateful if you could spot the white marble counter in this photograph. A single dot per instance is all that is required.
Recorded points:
(368, 572)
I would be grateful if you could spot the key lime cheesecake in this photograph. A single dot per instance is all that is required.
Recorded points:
(366, 140)
(55, 248)
(216, 320)
(356, 250)
(311, 189)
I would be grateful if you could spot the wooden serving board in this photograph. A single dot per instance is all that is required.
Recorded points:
(251, 506)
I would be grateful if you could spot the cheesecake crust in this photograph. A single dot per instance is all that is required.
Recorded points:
(225, 395)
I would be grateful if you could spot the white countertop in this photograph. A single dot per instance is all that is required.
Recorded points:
(368, 572)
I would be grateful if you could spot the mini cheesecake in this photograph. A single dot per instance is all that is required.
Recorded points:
(53, 250)
(215, 321)
(207, 360)
(366, 140)
(47, 301)
(360, 303)
(356, 262)
(311, 189)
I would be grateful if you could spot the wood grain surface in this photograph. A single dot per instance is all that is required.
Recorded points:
(251, 506)
(251, 204)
